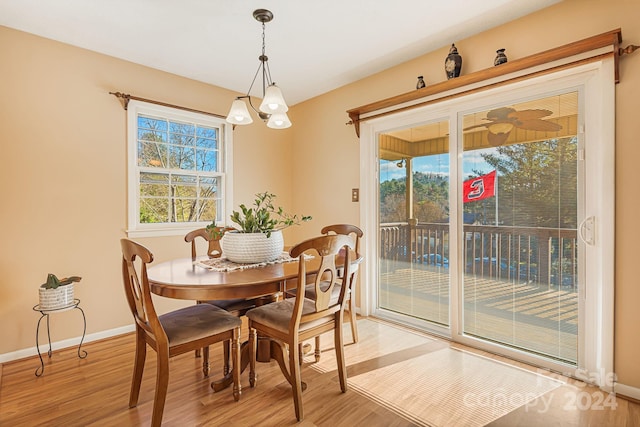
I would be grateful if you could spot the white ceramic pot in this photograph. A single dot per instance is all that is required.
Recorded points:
(251, 248)
(60, 297)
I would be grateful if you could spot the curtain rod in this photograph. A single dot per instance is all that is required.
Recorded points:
(126, 98)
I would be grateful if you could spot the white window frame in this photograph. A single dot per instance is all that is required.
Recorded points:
(136, 108)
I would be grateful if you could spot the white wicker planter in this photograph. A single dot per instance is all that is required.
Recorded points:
(60, 297)
(251, 248)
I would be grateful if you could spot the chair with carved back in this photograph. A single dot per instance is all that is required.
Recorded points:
(294, 320)
(213, 251)
(173, 333)
(356, 233)
(237, 307)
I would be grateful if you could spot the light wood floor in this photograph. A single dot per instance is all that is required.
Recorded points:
(94, 392)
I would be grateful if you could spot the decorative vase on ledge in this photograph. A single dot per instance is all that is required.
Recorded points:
(501, 58)
(252, 248)
(453, 63)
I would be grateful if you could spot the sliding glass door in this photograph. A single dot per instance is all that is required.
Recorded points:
(490, 225)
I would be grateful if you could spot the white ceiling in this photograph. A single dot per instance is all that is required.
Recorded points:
(313, 47)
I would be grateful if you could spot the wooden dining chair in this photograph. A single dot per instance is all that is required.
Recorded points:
(173, 333)
(356, 233)
(294, 320)
(237, 306)
(213, 251)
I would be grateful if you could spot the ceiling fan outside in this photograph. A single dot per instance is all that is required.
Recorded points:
(503, 120)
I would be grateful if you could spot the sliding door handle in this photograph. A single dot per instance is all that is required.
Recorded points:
(587, 230)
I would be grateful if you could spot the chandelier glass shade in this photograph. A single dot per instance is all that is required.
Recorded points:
(273, 108)
(239, 114)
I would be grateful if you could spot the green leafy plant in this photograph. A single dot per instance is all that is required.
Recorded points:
(262, 217)
(53, 282)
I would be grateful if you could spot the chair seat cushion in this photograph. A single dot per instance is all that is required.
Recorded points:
(277, 315)
(196, 322)
(237, 305)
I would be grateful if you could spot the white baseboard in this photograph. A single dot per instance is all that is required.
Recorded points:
(71, 342)
(627, 390)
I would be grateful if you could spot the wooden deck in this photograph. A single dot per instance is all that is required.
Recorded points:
(538, 318)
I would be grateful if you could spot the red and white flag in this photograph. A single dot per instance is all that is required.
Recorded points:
(479, 188)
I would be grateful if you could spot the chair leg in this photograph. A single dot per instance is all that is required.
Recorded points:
(197, 302)
(301, 353)
(354, 324)
(205, 361)
(225, 348)
(253, 346)
(236, 365)
(296, 386)
(316, 352)
(162, 384)
(138, 369)
(339, 344)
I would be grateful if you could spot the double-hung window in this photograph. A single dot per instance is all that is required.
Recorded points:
(179, 170)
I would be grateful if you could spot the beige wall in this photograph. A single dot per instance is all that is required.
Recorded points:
(320, 133)
(57, 117)
(63, 177)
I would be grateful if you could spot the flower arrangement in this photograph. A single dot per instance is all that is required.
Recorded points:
(56, 293)
(263, 217)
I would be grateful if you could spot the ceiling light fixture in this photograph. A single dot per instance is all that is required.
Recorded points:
(273, 108)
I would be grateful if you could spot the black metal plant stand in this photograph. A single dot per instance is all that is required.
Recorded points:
(45, 312)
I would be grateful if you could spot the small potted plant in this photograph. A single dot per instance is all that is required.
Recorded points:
(57, 293)
(258, 237)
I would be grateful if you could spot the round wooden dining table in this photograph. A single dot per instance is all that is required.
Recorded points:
(184, 278)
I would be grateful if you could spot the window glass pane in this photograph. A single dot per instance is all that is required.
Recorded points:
(207, 132)
(209, 209)
(148, 123)
(207, 160)
(152, 154)
(184, 186)
(182, 128)
(521, 249)
(181, 158)
(183, 140)
(154, 184)
(414, 222)
(152, 135)
(209, 143)
(153, 210)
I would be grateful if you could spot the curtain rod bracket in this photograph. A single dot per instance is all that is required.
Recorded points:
(125, 98)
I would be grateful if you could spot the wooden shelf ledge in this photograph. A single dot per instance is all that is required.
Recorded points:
(611, 38)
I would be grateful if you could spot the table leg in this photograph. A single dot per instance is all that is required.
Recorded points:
(227, 380)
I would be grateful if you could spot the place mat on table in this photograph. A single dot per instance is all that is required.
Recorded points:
(223, 264)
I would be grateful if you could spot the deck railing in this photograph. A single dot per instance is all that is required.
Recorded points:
(525, 254)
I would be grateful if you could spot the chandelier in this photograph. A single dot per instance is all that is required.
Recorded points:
(273, 108)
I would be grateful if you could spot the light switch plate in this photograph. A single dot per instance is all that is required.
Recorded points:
(355, 194)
